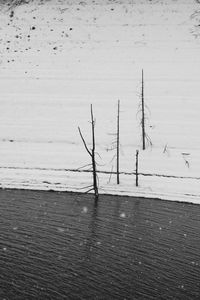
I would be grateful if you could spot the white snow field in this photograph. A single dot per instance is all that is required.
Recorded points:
(59, 56)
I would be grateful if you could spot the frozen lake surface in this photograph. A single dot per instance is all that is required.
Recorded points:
(66, 246)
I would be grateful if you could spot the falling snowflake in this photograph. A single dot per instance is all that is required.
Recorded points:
(85, 210)
(123, 215)
(60, 229)
(181, 286)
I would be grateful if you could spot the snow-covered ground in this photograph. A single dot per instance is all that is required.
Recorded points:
(59, 56)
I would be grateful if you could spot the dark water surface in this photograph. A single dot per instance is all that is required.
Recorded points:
(64, 246)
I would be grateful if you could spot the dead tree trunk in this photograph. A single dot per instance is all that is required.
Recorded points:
(94, 172)
(143, 114)
(118, 109)
(92, 155)
(136, 168)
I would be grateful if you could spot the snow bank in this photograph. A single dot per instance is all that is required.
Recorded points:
(57, 57)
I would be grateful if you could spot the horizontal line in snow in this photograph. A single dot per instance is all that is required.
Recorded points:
(100, 172)
(102, 79)
(25, 141)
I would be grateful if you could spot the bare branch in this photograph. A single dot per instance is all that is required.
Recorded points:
(89, 190)
(101, 165)
(148, 139)
(84, 187)
(84, 166)
(84, 142)
(98, 154)
(111, 172)
(114, 156)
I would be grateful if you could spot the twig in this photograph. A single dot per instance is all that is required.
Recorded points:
(84, 142)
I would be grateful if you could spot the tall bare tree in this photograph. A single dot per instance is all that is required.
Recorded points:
(118, 111)
(136, 168)
(144, 118)
(91, 152)
(143, 114)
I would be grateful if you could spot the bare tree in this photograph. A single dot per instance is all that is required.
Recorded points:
(115, 145)
(143, 114)
(136, 168)
(142, 109)
(118, 109)
(91, 152)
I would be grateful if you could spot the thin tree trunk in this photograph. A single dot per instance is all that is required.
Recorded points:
(136, 169)
(95, 185)
(118, 141)
(143, 114)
